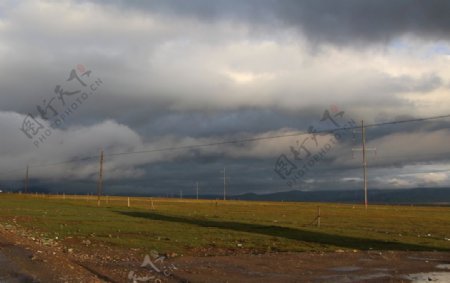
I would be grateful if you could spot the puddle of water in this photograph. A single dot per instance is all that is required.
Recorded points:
(383, 269)
(423, 258)
(355, 278)
(443, 266)
(346, 268)
(443, 277)
(371, 276)
(335, 279)
(9, 274)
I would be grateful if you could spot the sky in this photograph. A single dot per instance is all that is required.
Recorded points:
(146, 80)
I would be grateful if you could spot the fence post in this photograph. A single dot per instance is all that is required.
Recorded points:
(318, 216)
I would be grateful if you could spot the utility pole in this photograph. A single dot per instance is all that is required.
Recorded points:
(364, 160)
(363, 139)
(224, 184)
(26, 181)
(197, 190)
(100, 179)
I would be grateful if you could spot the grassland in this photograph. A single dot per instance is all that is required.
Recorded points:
(207, 227)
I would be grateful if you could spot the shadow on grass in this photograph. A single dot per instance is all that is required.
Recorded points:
(288, 233)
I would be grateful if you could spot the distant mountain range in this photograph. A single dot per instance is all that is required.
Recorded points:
(398, 196)
(437, 196)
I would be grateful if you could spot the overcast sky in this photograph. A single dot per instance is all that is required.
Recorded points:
(125, 76)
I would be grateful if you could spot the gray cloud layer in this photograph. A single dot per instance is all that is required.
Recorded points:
(177, 73)
(342, 22)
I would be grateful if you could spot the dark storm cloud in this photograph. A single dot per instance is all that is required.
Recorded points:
(322, 21)
(178, 73)
(221, 123)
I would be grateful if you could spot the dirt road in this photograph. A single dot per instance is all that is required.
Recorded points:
(20, 262)
(349, 266)
(28, 260)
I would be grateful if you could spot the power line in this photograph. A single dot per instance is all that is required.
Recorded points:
(195, 146)
(279, 136)
(356, 167)
(408, 121)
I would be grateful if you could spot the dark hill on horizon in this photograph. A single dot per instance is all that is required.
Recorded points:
(379, 196)
(435, 196)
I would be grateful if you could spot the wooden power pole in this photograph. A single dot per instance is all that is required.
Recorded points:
(197, 190)
(26, 181)
(224, 185)
(363, 140)
(100, 179)
(364, 160)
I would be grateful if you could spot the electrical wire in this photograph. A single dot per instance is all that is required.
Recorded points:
(247, 140)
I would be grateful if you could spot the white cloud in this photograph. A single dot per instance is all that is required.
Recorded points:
(220, 65)
(159, 63)
(433, 178)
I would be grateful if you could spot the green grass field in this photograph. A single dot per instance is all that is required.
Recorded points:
(188, 226)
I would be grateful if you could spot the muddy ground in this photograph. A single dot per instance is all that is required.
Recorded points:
(25, 259)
